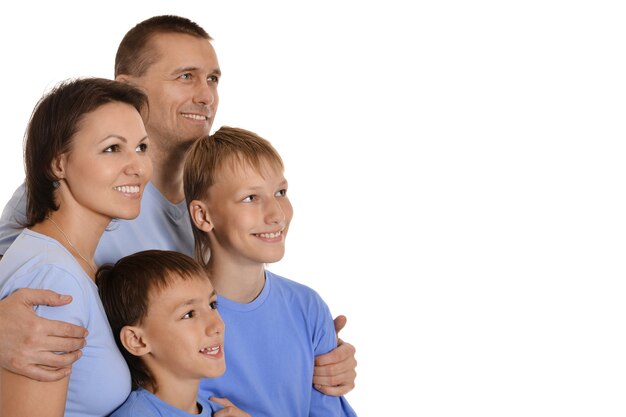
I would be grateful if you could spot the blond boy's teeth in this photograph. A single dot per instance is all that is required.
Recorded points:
(194, 116)
(128, 189)
(270, 235)
(210, 351)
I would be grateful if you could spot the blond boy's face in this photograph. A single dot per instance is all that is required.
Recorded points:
(250, 213)
(184, 332)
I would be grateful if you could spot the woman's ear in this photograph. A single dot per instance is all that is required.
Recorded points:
(134, 341)
(58, 166)
(200, 216)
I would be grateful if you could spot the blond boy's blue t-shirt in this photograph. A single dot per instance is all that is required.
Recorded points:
(100, 379)
(270, 346)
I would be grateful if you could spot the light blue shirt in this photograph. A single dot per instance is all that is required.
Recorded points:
(270, 347)
(142, 403)
(100, 379)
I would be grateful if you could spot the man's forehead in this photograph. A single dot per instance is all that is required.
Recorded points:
(185, 50)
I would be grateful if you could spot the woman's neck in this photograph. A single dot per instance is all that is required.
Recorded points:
(78, 231)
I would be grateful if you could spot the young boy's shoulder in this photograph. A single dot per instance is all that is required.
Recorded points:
(141, 403)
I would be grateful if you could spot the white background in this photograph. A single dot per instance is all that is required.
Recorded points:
(457, 170)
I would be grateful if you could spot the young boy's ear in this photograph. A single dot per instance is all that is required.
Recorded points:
(133, 340)
(200, 216)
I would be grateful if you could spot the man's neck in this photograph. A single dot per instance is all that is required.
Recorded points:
(167, 173)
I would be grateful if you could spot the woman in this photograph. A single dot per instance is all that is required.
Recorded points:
(86, 164)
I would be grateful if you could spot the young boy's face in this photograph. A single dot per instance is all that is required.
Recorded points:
(250, 213)
(184, 332)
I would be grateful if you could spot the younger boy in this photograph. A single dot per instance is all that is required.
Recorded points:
(163, 313)
(237, 197)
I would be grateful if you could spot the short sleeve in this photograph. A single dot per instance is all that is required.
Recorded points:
(12, 219)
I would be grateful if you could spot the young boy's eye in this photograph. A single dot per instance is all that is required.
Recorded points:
(213, 305)
(189, 314)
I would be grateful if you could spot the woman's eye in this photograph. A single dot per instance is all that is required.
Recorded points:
(142, 147)
(112, 148)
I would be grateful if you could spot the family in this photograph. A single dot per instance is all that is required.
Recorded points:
(133, 278)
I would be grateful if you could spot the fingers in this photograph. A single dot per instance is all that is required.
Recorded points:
(340, 323)
(343, 352)
(335, 391)
(335, 372)
(61, 329)
(33, 297)
(229, 410)
(44, 374)
(222, 401)
(58, 361)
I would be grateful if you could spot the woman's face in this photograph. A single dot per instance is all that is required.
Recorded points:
(107, 167)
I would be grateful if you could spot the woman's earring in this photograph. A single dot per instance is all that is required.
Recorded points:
(55, 184)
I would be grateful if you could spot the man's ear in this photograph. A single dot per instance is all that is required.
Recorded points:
(134, 341)
(124, 78)
(199, 213)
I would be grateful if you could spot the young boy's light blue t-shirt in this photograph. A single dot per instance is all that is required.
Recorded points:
(141, 403)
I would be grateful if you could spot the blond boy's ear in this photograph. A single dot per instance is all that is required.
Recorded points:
(200, 216)
(133, 340)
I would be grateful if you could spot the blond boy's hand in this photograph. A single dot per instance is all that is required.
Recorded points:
(229, 410)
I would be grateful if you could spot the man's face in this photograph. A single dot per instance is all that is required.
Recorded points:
(182, 90)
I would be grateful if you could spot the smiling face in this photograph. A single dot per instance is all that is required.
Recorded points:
(182, 89)
(183, 332)
(249, 212)
(107, 167)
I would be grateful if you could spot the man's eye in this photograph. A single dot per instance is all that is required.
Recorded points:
(213, 78)
(185, 76)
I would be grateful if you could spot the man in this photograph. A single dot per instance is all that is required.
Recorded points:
(172, 60)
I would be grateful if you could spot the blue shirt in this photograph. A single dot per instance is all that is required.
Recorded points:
(142, 403)
(270, 346)
(100, 379)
